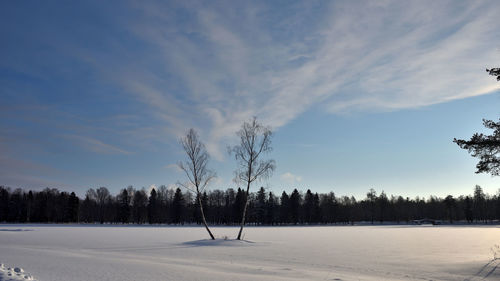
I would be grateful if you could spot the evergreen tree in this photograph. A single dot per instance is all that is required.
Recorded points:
(468, 210)
(328, 205)
(153, 205)
(479, 204)
(399, 211)
(196, 209)
(349, 209)
(204, 202)
(162, 193)
(124, 206)
(383, 204)
(178, 205)
(285, 208)
(295, 199)
(230, 198)
(239, 204)
(371, 198)
(29, 206)
(497, 205)
(485, 147)
(308, 206)
(316, 215)
(15, 206)
(271, 207)
(450, 203)
(216, 199)
(4, 203)
(260, 206)
(87, 210)
(74, 207)
(356, 216)
(139, 207)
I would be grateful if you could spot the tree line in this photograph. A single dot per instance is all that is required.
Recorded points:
(173, 206)
(230, 207)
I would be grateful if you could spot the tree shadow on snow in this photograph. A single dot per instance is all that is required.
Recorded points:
(487, 272)
(218, 242)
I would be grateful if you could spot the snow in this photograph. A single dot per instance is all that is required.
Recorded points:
(13, 274)
(74, 253)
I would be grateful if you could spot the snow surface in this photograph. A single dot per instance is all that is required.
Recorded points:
(123, 253)
(13, 274)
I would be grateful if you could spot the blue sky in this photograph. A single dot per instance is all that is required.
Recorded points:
(359, 94)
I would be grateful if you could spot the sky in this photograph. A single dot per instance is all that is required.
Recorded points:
(359, 94)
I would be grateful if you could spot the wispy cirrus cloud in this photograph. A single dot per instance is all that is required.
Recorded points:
(415, 55)
(231, 63)
(95, 145)
(211, 67)
(174, 167)
(19, 173)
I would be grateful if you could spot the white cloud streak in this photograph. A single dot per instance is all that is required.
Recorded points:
(174, 167)
(290, 178)
(220, 65)
(95, 145)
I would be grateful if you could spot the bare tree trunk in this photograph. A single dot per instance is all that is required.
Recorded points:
(244, 213)
(203, 218)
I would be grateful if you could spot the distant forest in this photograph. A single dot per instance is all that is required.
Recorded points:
(168, 206)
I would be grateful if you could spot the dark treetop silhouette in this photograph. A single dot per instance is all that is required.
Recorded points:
(170, 206)
(485, 147)
(494, 72)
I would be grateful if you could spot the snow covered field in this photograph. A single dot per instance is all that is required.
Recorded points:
(82, 253)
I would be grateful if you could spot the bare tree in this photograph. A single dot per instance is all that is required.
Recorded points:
(102, 196)
(255, 141)
(196, 169)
